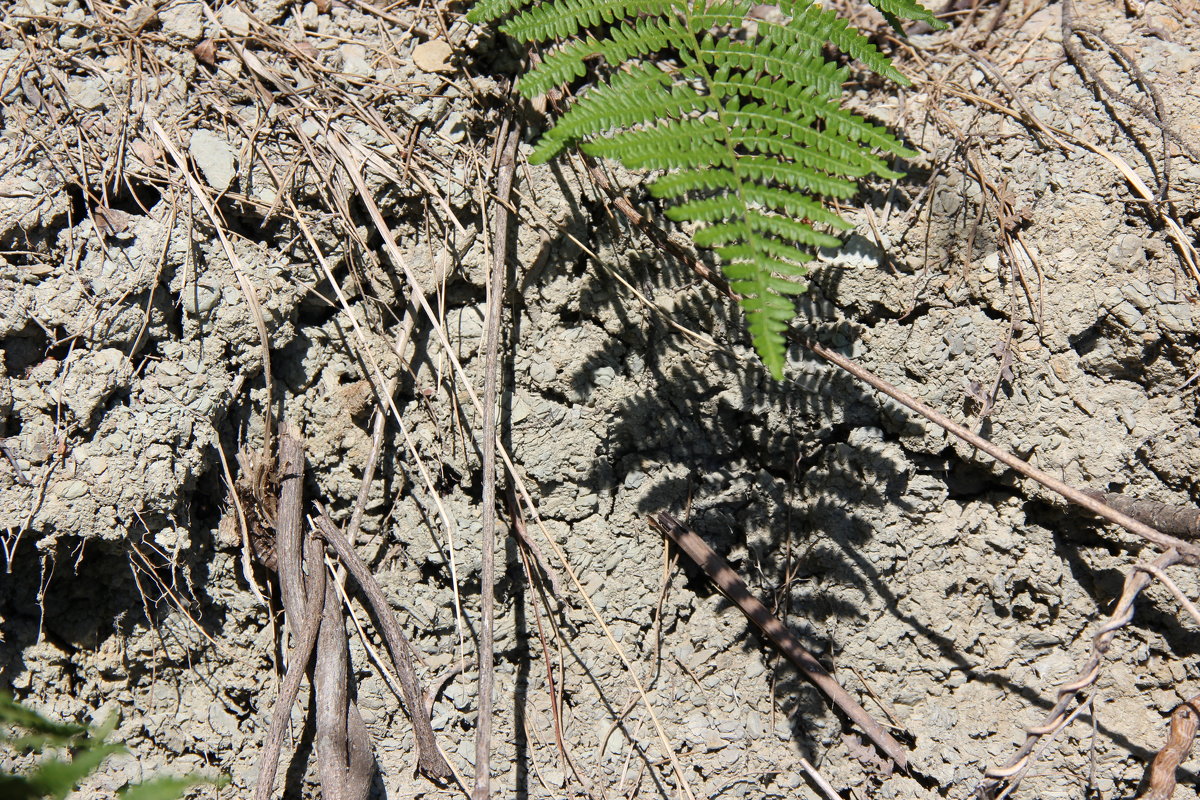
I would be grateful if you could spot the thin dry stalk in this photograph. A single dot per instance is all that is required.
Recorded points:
(555, 708)
(1173, 587)
(506, 144)
(1186, 551)
(289, 524)
(825, 786)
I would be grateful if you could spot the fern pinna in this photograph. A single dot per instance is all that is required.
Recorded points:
(741, 114)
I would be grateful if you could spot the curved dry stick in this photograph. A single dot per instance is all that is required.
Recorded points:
(298, 658)
(1173, 587)
(1161, 778)
(429, 759)
(1135, 582)
(728, 581)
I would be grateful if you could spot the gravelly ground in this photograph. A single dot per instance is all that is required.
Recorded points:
(947, 595)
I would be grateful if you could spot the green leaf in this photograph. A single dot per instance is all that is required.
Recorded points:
(742, 116)
(13, 713)
(56, 778)
(166, 788)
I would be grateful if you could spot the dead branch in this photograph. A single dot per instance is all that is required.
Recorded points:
(289, 522)
(1183, 521)
(1160, 778)
(1135, 581)
(298, 658)
(429, 759)
(344, 757)
(728, 581)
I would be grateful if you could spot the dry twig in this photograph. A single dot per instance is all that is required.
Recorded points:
(429, 760)
(1121, 616)
(728, 581)
(506, 144)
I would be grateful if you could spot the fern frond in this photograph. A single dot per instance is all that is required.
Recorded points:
(906, 9)
(691, 142)
(623, 42)
(564, 18)
(793, 66)
(642, 95)
(492, 10)
(742, 116)
(756, 168)
(839, 33)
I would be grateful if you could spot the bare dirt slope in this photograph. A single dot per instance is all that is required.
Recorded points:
(1027, 278)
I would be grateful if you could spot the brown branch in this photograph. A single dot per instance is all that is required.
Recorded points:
(344, 757)
(429, 759)
(1161, 775)
(1182, 521)
(289, 521)
(298, 658)
(728, 581)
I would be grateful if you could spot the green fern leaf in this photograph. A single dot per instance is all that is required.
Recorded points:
(742, 116)
(491, 10)
(906, 9)
(565, 18)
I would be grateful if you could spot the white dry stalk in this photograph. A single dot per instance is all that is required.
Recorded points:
(336, 143)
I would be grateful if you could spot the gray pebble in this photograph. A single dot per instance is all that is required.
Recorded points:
(214, 157)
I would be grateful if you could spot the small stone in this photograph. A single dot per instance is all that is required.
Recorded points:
(604, 376)
(235, 21)
(542, 371)
(520, 410)
(433, 56)
(354, 60)
(86, 95)
(214, 157)
(308, 16)
(73, 490)
(453, 130)
(221, 721)
(200, 299)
